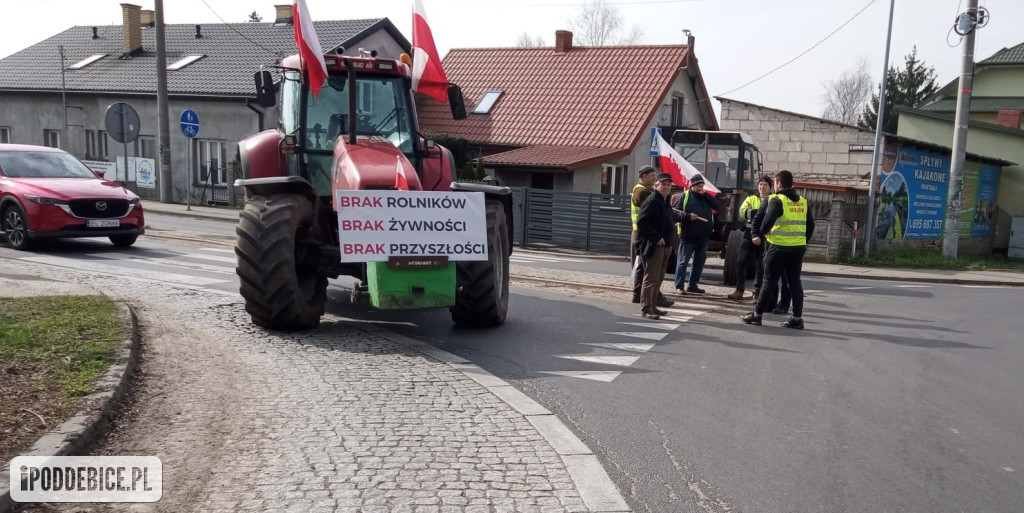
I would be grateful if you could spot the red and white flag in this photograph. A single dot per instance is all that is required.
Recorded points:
(674, 164)
(401, 182)
(427, 73)
(309, 46)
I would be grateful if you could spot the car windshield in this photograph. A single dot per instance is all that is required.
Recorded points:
(42, 164)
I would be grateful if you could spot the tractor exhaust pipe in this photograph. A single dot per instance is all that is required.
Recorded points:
(351, 101)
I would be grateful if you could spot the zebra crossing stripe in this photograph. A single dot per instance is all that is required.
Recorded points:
(675, 319)
(913, 286)
(638, 334)
(857, 288)
(623, 346)
(667, 326)
(603, 376)
(159, 276)
(621, 361)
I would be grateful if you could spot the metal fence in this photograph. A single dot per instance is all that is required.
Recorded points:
(572, 220)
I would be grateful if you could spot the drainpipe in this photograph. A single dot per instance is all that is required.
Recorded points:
(260, 113)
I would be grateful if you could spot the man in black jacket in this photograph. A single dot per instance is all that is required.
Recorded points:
(698, 224)
(655, 227)
(787, 225)
(643, 188)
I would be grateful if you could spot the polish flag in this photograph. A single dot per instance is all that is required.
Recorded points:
(401, 182)
(427, 74)
(681, 170)
(309, 46)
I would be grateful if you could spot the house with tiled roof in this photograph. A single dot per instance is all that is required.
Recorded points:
(56, 92)
(996, 127)
(571, 118)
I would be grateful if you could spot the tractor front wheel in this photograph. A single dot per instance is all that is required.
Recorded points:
(481, 294)
(733, 250)
(281, 292)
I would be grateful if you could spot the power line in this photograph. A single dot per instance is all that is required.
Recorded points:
(805, 52)
(236, 31)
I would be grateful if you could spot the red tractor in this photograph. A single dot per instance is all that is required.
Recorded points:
(351, 137)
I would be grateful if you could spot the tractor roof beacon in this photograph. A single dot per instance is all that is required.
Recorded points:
(349, 138)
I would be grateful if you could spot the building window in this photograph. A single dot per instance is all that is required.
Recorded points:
(102, 148)
(51, 138)
(210, 162)
(613, 179)
(90, 144)
(147, 147)
(5, 135)
(678, 104)
(487, 101)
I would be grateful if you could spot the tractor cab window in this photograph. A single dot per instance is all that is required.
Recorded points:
(718, 163)
(382, 110)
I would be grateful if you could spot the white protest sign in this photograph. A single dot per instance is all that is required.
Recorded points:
(377, 224)
(109, 169)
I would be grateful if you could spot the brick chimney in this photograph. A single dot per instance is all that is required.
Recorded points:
(1009, 118)
(132, 27)
(284, 14)
(563, 41)
(148, 18)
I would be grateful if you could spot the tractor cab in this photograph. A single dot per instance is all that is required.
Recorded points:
(730, 160)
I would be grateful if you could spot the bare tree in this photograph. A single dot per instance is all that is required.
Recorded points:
(255, 17)
(601, 24)
(846, 96)
(527, 41)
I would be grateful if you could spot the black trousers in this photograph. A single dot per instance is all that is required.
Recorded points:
(782, 261)
(748, 252)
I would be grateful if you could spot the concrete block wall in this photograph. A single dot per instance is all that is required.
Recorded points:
(802, 144)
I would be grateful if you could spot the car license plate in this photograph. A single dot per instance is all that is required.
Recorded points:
(103, 223)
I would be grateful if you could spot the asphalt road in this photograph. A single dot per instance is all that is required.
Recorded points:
(897, 397)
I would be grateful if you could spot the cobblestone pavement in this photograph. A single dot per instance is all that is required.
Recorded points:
(335, 419)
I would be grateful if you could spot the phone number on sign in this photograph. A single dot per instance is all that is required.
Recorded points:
(925, 224)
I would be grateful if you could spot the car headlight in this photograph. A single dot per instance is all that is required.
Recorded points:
(134, 201)
(42, 200)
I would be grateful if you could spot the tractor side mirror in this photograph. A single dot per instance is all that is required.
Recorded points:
(456, 102)
(266, 93)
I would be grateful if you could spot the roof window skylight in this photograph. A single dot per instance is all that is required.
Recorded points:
(87, 61)
(487, 101)
(181, 63)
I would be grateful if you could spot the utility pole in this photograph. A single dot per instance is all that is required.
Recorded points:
(63, 90)
(965, 26)
(870, 225)
(163, 123)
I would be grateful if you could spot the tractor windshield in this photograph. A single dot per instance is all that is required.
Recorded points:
(382, 110)
(718, 163)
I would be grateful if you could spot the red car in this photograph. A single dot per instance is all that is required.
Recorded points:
(47, 193)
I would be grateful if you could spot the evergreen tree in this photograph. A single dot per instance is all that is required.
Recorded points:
(907, 87)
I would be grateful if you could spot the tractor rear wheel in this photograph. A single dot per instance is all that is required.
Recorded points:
(481, 293)
(733, 247)
(281, 292)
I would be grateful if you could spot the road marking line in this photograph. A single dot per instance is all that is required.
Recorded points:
(857, 288)
(983, 286)
(623, 346)
(160, 276)
(211, 258)
(657, 325)
(621, 361)
(166, 262)
(681, 311)
(638, 334)
(913, 286)
(604, 376)
(675, 319)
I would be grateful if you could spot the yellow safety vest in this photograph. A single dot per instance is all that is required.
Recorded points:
(634, 210)
(753, 202)
(790, 228)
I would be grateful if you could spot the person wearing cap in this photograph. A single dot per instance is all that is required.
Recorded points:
(788, 225)
(696, 209)
(642, 189)
(751, 254)
(655, 227)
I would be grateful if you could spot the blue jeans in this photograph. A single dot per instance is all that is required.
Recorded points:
(699, 252)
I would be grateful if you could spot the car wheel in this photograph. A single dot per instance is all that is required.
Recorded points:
(15, 227)
(123, 241)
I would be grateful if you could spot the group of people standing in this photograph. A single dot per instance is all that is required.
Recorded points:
(777, 227)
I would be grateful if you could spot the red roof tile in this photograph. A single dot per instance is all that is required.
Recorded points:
(569, 157)
(596, 97)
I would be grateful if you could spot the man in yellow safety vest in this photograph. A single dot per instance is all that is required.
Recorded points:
(748, 251)
(788, 224)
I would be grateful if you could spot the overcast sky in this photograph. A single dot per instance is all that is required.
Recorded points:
(736, 40)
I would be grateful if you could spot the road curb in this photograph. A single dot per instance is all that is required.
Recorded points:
(596, 488)
(92, 421)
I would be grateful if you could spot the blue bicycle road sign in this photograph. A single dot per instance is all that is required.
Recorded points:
(189, 123)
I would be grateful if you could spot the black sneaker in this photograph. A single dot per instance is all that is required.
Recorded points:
(780, 311)
(793, 322)
(695, 290)
(636, 300)
(664, 302)
(751, 318)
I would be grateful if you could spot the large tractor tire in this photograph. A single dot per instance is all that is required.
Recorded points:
(733, 247)
(280, 292)
(481, 294)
